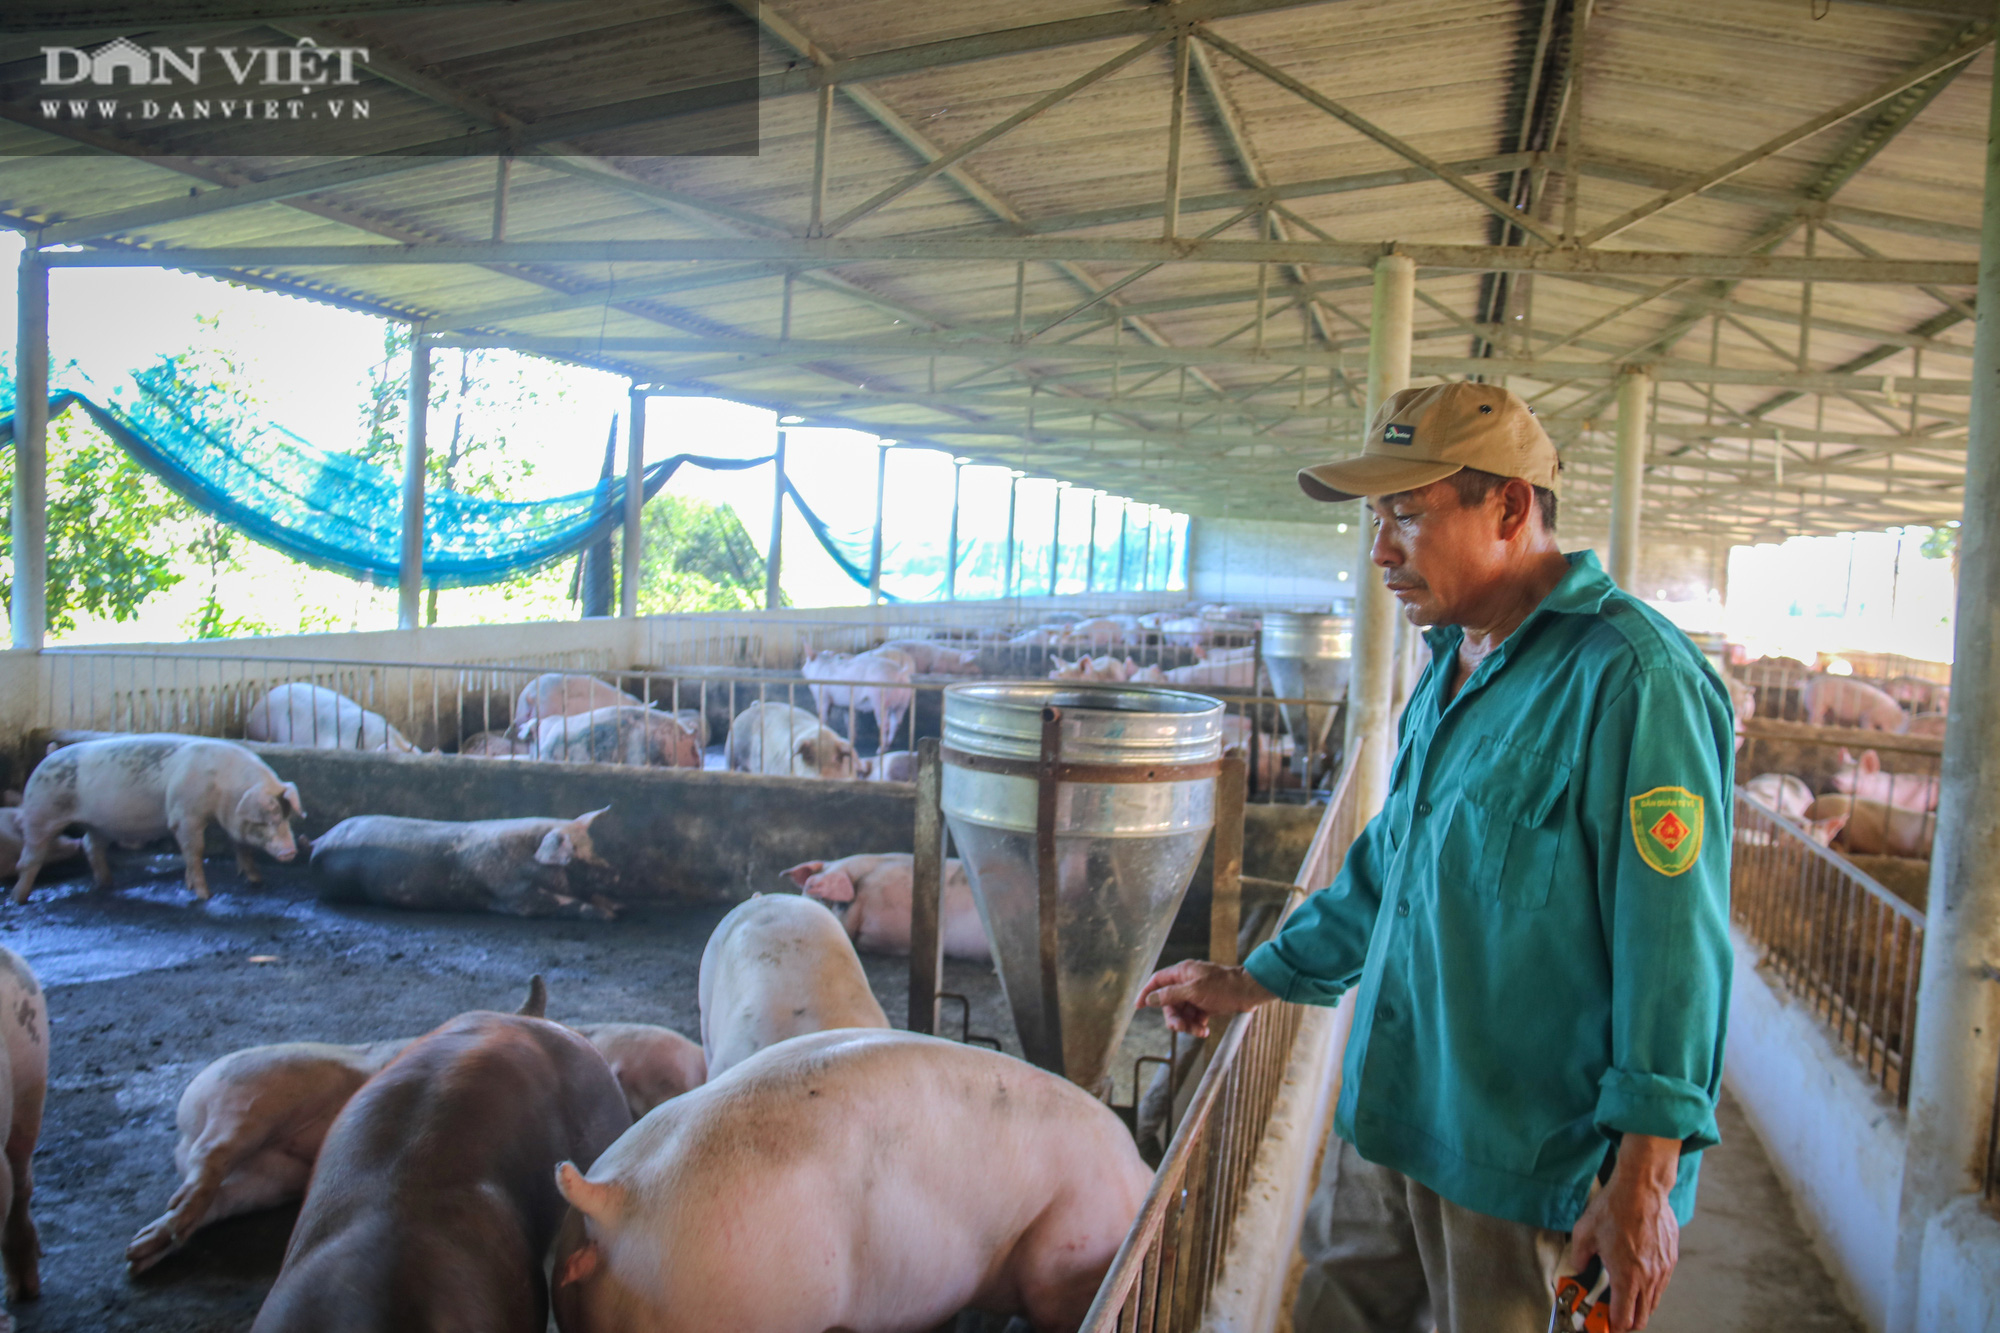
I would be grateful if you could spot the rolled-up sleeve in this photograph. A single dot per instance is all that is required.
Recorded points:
(1660, 794)
(1320, 950)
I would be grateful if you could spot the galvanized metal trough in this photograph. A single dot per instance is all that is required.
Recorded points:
(1080, 813)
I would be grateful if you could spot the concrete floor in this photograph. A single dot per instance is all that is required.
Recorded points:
(1747, 1265)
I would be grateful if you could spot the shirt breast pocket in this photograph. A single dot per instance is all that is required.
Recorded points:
(1511, 805)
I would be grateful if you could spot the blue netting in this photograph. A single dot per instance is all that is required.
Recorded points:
(338, 511)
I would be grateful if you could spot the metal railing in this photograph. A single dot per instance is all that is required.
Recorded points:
(1168, 1265)
(1835, 937)
(448, 708)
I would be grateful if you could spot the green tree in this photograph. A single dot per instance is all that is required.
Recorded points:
(695, 556)
(111, 526)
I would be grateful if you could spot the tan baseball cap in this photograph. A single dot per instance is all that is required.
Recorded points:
(1424, 435)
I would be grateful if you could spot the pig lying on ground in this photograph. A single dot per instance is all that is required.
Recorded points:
(895, 766)
(251, 1125)
(494, 745)
(24, 1081)
(1847, 702)
(1101, 670)
(652, 1064)
(1788, 795)
(776, 967)
(62, 849)
(871, 896)
(1917, 694)
(321, 719)
(828, 1184)
(435, 1200)
(876, 675)
(1865, 778)
(780, 739)
(516, 866)
(625, 734)
(1927, 724)
(133, 789)
(558, 694)
(1878, 828)
(936, 659)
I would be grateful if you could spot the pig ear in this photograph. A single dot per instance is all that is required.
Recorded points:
(584, 821)
(803, 871)
(290, 797)
(1824, 831)
(1871, 762)
(578, 1264)
(556, 849)
(600, 1201)
(833, 887)
(810, 753)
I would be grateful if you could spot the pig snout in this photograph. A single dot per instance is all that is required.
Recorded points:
(282, 846)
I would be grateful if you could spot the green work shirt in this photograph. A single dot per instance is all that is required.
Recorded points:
(1537, 920)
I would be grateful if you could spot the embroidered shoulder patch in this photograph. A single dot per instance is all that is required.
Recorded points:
(1666, 828)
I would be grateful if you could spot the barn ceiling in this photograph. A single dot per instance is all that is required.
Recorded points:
(1128, 245)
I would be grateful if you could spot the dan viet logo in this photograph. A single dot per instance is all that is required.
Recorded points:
(271, 82)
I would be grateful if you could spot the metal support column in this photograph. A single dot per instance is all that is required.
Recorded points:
(774, 554)
(1370, 691)
(951, 542)
(1013, 495)
(1628, 475)
(30, 608)
(1055, 540)
(635, 496)
(1090, 561)
(1953, 1060)
(1124, 517)
(410, 573)
(875, 547)
(926, 891)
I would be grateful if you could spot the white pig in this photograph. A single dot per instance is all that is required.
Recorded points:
(651, 1063)
(776, 967)
(557, 693)
(780, 739)
(936, 659)
(869, 1181)
(1865, 778)
(1877, 828)
(24, 1082)
(250, 1129)
(321, 719)
(62, 849)
(620, 734)
(1788, 795)
(876, 674)
(133, 789)
(871, 896)
(1845, 701)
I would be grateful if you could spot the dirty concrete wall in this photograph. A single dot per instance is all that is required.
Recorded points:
(679, 834)
(1271, 563)
(21, 707)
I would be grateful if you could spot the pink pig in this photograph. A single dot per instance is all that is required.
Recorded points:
(871, 896)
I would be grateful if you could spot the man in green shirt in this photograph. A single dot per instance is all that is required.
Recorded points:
(1536, 924)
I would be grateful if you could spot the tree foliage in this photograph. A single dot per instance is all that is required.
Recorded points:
(696, 556)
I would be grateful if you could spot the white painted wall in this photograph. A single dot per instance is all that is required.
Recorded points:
(1836, 1140)
(1269, 563)
(1960, 1284)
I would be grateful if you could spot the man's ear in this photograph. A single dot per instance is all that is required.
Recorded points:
(1517, 507)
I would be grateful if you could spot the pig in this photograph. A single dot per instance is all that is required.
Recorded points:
(1927, 724)
(1878, 828)
(695, 722)
(779, 739)
(494, 745)
(519, 867)
(936, 659)
(876, 674)
(62, 849)
(1915, 693)
(828, 1183)
(1225, 673)
(133, 789)
(435, 1200)
(1149, 674)
(1101, 670)
(1788, 795)
(1102, 631)
(778, 966)
(311, 715)
(625, 734)
(251, 1125)
(652, 1064)
(895, 766)
(1845, 701)
(1865, 778)
(871, 896)
(558, 694)
(24, 1082)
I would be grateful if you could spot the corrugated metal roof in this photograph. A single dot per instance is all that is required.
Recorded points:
(1668, 91)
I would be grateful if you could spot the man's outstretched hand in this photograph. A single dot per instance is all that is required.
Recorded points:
(1189, 993)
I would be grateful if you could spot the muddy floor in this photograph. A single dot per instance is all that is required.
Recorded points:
(145, 988)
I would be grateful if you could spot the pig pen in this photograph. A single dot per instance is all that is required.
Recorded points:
(145, 987)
